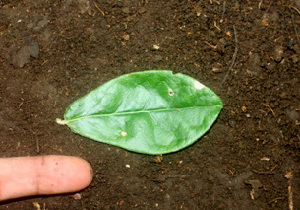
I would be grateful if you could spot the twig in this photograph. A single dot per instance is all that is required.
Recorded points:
(269, 7)
(263, 172)
(37, 146)
(3, 26)
(275, 200)
(294, 26)
(289, 176)
(217, 27)
(198, 12)
(212, 46)
(295, 9)
(162, 178)
(223, 13)
(290, 193)
(267, 105)
(233, 57)
(230, 171)
(99, 9)
(259, 4)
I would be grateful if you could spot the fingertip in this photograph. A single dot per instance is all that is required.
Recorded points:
(81, 172)
(25, 176)
(68, 174)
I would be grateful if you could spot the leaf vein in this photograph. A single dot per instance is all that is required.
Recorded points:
(139, 111)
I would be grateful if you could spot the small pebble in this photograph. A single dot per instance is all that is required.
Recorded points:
(28, 51)
(253, 65)
(278, 53)
(126, 37)
(76, 196)
(255, 183)
(158, 159)
(155, 47)
(295, 58)
(142, 10)
(126, 10)
(244, 108)
(157, 58)
(293, 115)
(283, 95)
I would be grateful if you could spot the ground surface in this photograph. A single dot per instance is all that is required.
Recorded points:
(53, 52)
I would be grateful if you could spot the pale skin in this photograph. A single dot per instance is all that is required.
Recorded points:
(42, 175)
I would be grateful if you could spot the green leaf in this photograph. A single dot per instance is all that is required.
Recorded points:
(150, 112)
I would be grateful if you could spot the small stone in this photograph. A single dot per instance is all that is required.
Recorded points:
(157, 58)
(76, 196)
(126, 10)
(155, 47)
(244, 108)
(290, 43)
(30, 25)
(42, 23)
(283, 95)
(26, 53)
(292, 114)
(158, 159)
(278, 53)
(265, 21)
(295, 58)
(222, 43)
(142, 10)
(288, 175)
(126, 37)
(255, 183)
(253, 65)
(232, 123)
(84, 6)
(119, 3)
(254, 58)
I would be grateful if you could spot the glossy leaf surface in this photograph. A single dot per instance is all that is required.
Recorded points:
(150, 112)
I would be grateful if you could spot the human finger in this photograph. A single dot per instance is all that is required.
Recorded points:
(42, 175)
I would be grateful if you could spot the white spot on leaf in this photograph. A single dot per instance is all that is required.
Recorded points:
(170, 92)
(198, 85)
(123, 133)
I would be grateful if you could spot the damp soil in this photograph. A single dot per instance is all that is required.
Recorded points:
(247, 52)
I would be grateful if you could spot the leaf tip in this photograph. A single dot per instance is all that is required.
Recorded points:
(61, 122)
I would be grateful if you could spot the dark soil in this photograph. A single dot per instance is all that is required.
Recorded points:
(54, 52)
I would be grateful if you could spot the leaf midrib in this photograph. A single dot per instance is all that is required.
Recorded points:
(140, 111)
